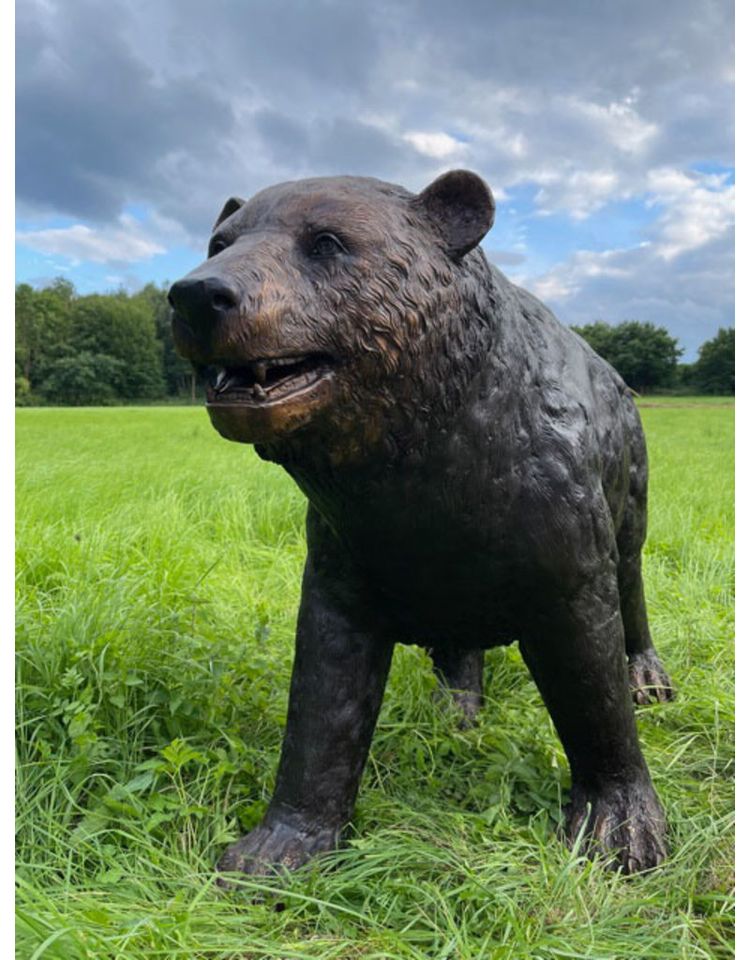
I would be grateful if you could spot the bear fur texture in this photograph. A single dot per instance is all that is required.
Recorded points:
(476, 475)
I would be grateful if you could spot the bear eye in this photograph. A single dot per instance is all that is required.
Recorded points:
(216, 246)
(326, 245)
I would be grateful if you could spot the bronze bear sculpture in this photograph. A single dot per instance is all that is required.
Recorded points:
(476, 475)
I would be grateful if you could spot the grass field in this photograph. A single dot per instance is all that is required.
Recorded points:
(158, 577)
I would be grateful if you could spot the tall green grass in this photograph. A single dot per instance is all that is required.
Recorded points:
(158, 578)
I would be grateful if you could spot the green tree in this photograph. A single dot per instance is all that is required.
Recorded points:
(124, 329)
(87, 379)
(684, 376)
(713, 371)
(23, 392)
(27, 332)
(43, 326)
(178, 372)
(644, 355)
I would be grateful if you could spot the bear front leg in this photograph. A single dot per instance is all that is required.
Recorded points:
(340, 669)
(578, 662)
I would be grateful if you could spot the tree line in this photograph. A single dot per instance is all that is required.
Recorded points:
(96, 349)
(647, 358)
(112, 348)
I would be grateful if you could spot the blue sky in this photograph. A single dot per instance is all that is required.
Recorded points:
(604, 129)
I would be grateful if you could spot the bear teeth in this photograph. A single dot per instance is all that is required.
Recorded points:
(269, 377)
(258, 369)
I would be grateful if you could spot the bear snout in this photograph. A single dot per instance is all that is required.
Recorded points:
(202, 302)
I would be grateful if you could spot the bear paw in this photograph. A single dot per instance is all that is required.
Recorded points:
(626, 820)
(274, 846)
(649, 680)
(465, 705)
(469, 703)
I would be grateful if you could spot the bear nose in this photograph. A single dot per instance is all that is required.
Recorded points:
(201, 302)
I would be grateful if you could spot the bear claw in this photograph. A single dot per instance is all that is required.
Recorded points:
(625, 821)
(273, 847)
(649, 681)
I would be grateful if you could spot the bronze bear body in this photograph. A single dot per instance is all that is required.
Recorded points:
(476, 475)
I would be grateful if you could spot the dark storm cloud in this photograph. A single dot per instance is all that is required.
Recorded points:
(287, 140)
(292, 48)
(349, 146)
(597, 47)
(92, 120)
(338, 145)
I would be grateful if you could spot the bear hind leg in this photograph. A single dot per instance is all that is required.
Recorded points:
(649, 681)
(460, 673)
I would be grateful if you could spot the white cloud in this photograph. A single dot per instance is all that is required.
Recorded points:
(515, 145)
(691, 294)
(123, 244)
(437, 145)
(553, 286)
(616, 122)
(566, 279)
(699, 208)
(579, 194)
(697, 211)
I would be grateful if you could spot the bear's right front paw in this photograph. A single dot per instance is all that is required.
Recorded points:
(626, 820)
(275, 845)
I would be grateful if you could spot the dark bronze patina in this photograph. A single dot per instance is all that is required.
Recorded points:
(476, 474)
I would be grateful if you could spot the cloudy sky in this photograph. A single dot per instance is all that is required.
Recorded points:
(605, 129)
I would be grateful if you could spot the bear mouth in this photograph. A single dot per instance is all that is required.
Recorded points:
(266, 380)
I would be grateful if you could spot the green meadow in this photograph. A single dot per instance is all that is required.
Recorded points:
(158, 573)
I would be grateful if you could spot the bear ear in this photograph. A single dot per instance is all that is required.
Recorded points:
(461, 206)
(232, 205)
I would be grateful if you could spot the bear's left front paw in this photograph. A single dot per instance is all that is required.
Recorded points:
(623, 819)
